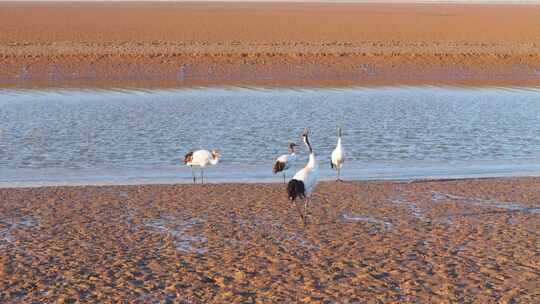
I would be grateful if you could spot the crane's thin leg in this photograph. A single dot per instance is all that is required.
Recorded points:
(284, 177)
(338, 174)
(305, 210)
(193, 174)
(202, 176)
(299, 212)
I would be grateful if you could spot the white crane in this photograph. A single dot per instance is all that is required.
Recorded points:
(337, 159)
(303, 182)
(201, 158)
(285, 161)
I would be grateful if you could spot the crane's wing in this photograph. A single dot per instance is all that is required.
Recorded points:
(283, 158)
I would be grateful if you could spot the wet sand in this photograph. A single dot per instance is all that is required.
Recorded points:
(462, 241)
(183, 44)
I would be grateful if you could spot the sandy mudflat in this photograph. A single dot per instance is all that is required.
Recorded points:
(175, 44)
(467, 241)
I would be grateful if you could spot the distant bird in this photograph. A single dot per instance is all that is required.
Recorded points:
(337, 159)
(201, 158)
(303, 182)
(285, 161)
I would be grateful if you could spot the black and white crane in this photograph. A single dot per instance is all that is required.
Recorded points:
(303, 182)
(285, 161)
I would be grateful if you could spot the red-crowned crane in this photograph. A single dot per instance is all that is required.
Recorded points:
(201, 158)
(285, 161)
(303, 182)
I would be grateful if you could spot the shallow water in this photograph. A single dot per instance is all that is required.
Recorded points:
(367, 219)
(137, 136)
(439, 197)
(8, 225)
(176, 228)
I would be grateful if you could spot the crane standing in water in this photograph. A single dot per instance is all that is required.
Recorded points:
(201, 158)
(285, 161)
(337, 159)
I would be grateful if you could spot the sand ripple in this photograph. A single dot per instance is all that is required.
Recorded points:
(469, 241)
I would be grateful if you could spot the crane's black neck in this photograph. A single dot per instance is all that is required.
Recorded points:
(306, 140)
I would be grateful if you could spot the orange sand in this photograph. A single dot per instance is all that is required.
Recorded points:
(186, 43)
(465, 241)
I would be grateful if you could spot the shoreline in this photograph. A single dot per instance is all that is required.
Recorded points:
(231, 174)
(269, 181)
(280, 71)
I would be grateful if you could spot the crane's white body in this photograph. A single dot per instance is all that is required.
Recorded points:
(309, 174)
(337, 155)
(202, 158)
(337, 158)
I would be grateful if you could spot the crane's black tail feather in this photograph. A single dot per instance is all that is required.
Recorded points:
(295, 189)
